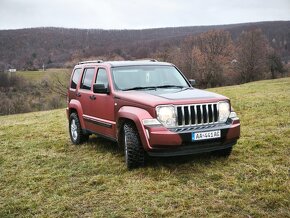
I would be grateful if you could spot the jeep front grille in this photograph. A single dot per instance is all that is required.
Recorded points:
(197, 114)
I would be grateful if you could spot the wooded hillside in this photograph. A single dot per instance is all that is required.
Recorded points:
(59, 47)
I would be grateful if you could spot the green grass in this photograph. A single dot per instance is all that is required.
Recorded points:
(43, 174)
(38, 75)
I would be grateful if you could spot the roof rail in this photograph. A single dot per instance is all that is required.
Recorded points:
(91, 62)
(151, 60)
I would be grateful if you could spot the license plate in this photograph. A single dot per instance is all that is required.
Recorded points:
(195, 136)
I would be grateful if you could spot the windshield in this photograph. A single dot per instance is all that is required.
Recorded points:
(150, 77)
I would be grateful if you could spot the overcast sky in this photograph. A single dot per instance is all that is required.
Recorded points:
(134, 14)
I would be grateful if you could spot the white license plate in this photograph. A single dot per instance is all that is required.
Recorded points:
(195, 136)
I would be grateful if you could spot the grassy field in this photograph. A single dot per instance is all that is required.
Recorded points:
(38, 75)
(43, 174)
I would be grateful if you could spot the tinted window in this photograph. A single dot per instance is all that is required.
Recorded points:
(87, 78)
(102, 77)
(75, 78)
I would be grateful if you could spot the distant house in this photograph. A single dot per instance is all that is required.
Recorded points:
(12, 70)
(234, 61)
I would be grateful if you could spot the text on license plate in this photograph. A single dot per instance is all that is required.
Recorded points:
(205, 135)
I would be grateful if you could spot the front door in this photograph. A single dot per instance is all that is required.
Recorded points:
(99, 113)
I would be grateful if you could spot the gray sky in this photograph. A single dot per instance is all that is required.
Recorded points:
(133, 14)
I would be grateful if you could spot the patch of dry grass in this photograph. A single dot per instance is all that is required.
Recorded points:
(39, 75)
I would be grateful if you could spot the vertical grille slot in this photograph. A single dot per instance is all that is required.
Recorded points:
(210, 113)
(215, 111)
(186, 115)
(179, 116)
(204, 113)
(199, 114)
(193, 115)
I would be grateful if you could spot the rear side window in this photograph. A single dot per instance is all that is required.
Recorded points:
(87, 78)
(102, 77)
(75, 78)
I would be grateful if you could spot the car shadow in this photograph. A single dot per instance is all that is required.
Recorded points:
(173, 161)
(104, 145)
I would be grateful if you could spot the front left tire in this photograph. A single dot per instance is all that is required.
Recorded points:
(134, 152)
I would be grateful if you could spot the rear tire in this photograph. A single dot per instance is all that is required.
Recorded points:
(134, 152)
(224, 152)
(76, 133)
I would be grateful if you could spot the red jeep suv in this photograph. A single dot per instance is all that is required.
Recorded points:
(148, 107)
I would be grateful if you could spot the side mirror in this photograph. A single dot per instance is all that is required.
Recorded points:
(192, 82)
(100, 88)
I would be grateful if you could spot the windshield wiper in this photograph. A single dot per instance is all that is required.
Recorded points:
(154, 87)
(169, 86)
(139, 88)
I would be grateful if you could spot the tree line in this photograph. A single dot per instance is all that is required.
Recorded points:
(214, 59)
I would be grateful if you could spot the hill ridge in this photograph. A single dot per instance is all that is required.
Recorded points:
(55, 46)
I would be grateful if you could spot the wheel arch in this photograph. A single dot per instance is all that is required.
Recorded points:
(75, 106)
(134, 115)
(120, 127)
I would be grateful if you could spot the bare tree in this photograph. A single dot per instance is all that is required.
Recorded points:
(276, 65)
(57, 83)
(252, 52)
(187, 64)
(212, 54)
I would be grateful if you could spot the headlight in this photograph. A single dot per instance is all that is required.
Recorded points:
(166, 115)
(224, 111)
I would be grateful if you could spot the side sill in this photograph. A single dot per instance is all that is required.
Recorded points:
(98, 134)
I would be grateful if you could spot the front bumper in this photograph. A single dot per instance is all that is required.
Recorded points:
(173, 142)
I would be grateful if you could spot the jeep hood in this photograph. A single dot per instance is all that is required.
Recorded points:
(169, 96)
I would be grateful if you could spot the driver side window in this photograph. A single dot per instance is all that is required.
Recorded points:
(102, 77)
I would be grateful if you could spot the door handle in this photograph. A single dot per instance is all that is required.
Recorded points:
(92, 97)
(78, 94)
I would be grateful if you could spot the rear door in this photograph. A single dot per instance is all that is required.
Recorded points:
(84, 94)
(74, 83)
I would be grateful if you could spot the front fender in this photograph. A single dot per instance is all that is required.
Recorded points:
(76, 105)
(136, 115)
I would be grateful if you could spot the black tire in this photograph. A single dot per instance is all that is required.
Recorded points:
(75, 130)
(134, 152)
(224, 152)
